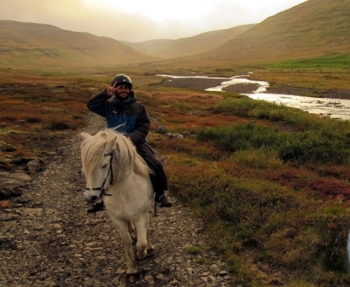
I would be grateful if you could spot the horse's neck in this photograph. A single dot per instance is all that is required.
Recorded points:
(133, 187)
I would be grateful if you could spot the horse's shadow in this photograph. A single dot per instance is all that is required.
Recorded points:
(142, 271)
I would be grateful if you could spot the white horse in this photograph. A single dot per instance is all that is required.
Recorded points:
(117, 174)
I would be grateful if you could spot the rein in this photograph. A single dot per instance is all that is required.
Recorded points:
(103, 189)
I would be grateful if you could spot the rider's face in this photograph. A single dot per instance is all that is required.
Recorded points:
(123, 90)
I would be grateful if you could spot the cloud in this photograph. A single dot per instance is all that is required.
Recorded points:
(73, 15)
(228, 14)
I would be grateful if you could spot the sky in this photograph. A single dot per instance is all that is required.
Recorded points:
(142, 20)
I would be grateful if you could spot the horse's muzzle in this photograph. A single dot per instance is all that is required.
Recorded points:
(92, 196)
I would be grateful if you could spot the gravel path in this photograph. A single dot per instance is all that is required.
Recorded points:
(47, 238)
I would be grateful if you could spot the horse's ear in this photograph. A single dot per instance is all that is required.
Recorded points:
(110, 145)
(85, 136)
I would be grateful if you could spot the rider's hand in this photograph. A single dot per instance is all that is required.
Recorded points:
(111, 90)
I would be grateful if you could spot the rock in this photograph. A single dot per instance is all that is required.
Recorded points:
(11, 183)
(6, 147)
(34, 166)
(5, 193)
(186, 134)
(23, 200)
(174, 136)
(21, 122)
(214, 269)
(161, 130)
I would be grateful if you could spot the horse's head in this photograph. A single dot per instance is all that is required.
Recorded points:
(97, 153)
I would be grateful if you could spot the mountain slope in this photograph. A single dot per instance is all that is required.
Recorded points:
(31, 45)
(188, 46)
(313, 28)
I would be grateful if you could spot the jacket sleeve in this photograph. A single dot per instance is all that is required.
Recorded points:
(97, 103)
(142, 129)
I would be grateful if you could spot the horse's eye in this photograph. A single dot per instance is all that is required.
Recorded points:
(105, 165)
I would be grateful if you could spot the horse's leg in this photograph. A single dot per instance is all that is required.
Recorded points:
(131, 230)
(150, 246)
(122, 227)
(141, 225)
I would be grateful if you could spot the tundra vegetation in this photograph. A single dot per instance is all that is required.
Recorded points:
(269, 182)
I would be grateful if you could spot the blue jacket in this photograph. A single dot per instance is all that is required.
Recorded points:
(129, 114)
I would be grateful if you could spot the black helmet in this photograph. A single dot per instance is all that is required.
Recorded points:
(122, 79)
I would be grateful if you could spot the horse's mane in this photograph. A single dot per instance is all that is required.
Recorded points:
(126, 157)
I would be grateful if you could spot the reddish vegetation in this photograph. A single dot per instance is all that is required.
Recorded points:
(36, 111)
(200, 173)
(4, 204)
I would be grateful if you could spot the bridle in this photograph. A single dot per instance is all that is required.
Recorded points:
(103, 189)
(110, 171)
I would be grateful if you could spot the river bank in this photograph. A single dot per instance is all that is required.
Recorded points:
(204, 83)
(274, 88)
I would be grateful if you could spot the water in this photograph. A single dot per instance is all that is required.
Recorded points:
(334, 108)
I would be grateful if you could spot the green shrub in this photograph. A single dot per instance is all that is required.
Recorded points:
(261, 158)
(316, 146)
(194, 250)
(313, 146)
(202, 261)
(265, 110)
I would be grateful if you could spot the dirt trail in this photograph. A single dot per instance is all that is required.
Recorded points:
(47, 238)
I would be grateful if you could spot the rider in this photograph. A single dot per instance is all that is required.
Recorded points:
(124, 112)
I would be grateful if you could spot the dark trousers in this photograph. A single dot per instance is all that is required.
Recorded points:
(159, 178)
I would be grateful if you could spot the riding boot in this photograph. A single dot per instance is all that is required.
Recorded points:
(165, 201)
(97, 207)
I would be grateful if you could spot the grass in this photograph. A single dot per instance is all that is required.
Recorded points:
(340, 62)
(270, 183)
(193, 250)
(315, 80)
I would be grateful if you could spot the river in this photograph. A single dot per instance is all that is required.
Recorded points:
(334, 108)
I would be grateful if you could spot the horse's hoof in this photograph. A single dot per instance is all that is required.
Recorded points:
(150, 253)
(131, 278)
(141, 256)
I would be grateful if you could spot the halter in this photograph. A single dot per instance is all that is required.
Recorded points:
(110, 171)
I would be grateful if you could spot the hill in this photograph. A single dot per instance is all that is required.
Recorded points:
(315, 28)
(28, 45)
(312, 29)
(188, 46)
